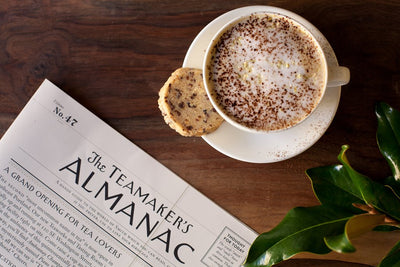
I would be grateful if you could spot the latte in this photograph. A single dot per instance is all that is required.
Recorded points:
(266, 72)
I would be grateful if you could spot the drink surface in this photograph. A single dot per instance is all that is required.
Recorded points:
(266, 72)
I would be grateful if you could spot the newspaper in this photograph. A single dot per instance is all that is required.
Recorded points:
(74, 192)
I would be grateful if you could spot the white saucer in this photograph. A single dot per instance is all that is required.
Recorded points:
(272, 147)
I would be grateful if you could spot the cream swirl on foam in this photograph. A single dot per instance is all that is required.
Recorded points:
(267, 72)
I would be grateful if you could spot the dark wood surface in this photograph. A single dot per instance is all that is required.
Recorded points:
(114, 56)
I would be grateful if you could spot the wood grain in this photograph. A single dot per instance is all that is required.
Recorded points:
(114, 56)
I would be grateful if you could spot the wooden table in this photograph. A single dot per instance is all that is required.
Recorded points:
(114, 56)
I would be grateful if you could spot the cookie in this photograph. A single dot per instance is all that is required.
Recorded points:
(185, 106)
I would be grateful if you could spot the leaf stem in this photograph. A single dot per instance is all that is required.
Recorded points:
(371, 210)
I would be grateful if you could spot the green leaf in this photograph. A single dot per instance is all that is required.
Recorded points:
(341, 185)
(302, 229)
(355, 226)
(331, 184)
(392, 258)
(377, 195)
(388, 136)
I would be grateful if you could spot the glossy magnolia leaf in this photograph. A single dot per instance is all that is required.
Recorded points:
(341, 185)
(302, 229)
(356, 226)
(331, 184)
(392, 258)
(379, 196)
(388, 136)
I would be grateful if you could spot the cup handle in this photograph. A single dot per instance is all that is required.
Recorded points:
(337, 76)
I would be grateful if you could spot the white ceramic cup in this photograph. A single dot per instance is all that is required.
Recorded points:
(334, 75)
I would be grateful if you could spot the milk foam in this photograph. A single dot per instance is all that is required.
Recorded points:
(267, 72)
